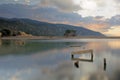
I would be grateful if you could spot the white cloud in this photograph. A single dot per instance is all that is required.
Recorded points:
(88, 5)
(106, 8)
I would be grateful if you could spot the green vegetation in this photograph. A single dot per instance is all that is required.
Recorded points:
(15, 26)
(70, 33)
(6, 32)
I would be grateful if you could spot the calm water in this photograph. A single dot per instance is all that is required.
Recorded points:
(51, 60)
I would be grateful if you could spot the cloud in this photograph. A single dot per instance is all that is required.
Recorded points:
(54, 15)
(99, 8)
(98, 23)
(113, 31)
(64, 5)
(115, 20)
(99, 18)
(13, 1)
(97, 27)
(83, 7)
(117, 1)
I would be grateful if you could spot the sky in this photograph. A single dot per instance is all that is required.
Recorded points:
(98, 15)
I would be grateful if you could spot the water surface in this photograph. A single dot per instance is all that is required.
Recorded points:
(51, 60)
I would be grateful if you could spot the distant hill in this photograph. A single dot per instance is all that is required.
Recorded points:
(43, 28)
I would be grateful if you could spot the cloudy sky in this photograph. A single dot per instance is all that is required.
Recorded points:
(97, 15)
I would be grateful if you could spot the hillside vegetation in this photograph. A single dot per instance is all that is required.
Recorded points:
(38, 28)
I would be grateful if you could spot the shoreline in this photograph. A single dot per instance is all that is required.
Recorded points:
(53, 37)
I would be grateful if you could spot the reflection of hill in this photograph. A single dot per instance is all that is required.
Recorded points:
(28, 47)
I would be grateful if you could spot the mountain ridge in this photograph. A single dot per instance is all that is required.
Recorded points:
(39, 28)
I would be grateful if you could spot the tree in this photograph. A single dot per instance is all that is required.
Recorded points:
(70, 33)
(0, 34)
(6, 32)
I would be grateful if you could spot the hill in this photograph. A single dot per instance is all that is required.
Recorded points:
(43, 28)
